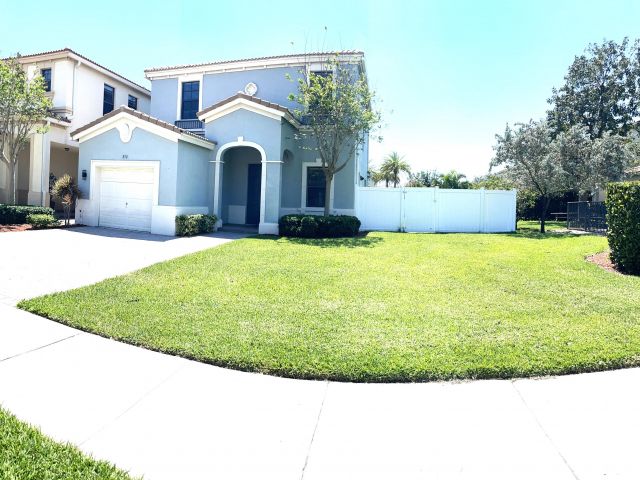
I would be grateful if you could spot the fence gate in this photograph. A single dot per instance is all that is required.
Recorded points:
(436, 210)
(588, 216)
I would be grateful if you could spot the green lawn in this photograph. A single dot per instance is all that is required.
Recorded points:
(26, 454)
(385, 307)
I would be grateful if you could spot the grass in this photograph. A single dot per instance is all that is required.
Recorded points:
(26, 454)
(534, 225)
(385, 307)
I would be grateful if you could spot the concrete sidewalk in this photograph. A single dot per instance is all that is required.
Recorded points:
(167, 417)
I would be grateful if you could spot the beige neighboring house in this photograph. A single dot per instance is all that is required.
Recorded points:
(81, 90)
(634, 173)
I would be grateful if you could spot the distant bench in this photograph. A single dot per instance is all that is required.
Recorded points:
(559, 216)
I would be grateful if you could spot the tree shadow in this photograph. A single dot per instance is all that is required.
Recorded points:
(535, 234)
(360, 241)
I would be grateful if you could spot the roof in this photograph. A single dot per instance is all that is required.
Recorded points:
(246, 97)
(141, 116)
(285, 112)
(254, 59)
(73, 52)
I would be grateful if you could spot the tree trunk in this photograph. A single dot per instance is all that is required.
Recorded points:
(543, 214)
(13, 183)
(327, 194)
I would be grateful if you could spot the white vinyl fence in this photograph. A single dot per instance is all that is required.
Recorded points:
(436, 210)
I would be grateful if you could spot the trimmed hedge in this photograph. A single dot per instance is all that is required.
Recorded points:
(41, 220)
(316, 226)
(623, 219)
(190, 225)
(15, 214)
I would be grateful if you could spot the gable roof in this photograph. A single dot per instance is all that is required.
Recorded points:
(242, 100)
(257, 62)
(185, 134)
(71, 53)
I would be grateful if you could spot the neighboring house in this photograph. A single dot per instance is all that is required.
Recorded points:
(221, 138)
(634, 173)
(80, 91)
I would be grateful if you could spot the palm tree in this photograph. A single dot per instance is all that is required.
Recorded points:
(393, 166)
(454, 179)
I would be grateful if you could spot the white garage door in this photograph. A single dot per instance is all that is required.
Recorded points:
(126, 198)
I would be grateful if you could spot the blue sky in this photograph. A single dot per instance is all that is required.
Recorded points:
(450, 74)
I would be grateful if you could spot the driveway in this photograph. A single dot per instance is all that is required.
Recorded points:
(167, 417)
(36, 262)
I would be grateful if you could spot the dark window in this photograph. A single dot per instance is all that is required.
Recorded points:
(190, 100)
(108, 100)
(322, 73)
(46, 75)
(133, 102)
(316, 187)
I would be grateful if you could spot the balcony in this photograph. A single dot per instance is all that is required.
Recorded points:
(194, 126)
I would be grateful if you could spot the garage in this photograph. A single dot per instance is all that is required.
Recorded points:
(126, 198)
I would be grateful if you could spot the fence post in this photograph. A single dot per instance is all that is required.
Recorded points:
(436, 209)
(483, 221)
(402, 210)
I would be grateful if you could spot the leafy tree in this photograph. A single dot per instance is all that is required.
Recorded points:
(525, 154)
(66, 190)
(337, 105)
(23, 105)
(425, 179)
(393, 166)
(601, 91)
(456, 180)
(493, 181)
(377, 176)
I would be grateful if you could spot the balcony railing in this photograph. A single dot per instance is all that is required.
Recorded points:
(190, 124)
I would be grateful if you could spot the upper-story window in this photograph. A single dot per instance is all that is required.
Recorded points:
(108, 100)
(133, 102)
(316, 187)
(190, 100)
(46, 76)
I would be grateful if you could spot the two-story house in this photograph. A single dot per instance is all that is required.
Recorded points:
(221, 138)
(80, 91)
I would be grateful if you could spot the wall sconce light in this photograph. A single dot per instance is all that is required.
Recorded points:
(84, 174)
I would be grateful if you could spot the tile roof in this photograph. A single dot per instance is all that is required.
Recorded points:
(246, 97)
(68, 50)
(142, 116)
(272, 57)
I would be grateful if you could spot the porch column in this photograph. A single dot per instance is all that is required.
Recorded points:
(217, 187)
(39, 159)
(270, 196)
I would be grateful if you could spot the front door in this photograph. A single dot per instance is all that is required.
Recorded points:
(253, 193)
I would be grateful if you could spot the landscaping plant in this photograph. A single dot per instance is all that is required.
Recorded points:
(314, 226)
(67, 192)
(39, 220)
(623, 219)
(190, 225)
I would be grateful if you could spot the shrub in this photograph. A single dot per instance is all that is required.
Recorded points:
(315, 226)
(190, 225)
(41, 220)
(12, 214)
(66, 190)
(623, 219)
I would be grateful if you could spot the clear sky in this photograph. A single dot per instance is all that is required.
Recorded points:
(449, 73)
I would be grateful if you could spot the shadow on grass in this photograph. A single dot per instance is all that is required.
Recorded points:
(535, 234)
(361, 241)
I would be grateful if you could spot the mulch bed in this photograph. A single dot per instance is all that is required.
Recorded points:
(603, 261)
(20, 227)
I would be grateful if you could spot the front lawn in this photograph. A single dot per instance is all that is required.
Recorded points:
(385, 307)
(26, 454)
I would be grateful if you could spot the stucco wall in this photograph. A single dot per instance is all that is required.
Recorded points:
(164, 99)
(272, 83)
(193, 175)
(142, 146)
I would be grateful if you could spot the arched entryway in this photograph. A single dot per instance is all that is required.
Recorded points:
(240, 179)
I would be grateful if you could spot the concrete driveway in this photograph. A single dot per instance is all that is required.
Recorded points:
(165, 417)
(36, 262)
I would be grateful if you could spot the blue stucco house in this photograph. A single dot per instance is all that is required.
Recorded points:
(221, 138)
